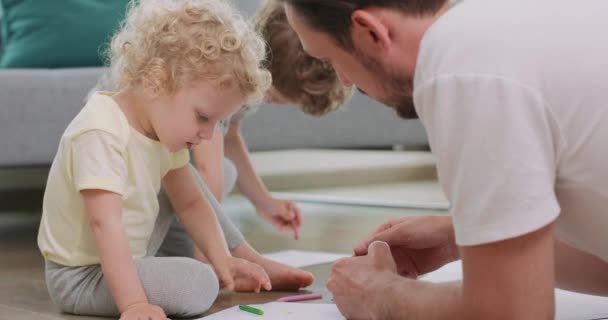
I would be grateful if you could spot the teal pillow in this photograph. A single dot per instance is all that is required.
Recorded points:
(1, 32)
(57, 33)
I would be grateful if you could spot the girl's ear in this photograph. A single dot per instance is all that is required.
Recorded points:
(150, 88)
(155, 79)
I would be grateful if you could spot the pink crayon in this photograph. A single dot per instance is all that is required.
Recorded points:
(301, 297)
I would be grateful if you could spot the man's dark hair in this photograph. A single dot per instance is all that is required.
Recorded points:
(334, 16)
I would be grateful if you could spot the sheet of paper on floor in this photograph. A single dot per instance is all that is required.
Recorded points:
(569, 305)
(299, 259)
(282, 310)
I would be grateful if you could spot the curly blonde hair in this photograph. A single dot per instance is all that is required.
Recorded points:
(168, 44)
(309, 82)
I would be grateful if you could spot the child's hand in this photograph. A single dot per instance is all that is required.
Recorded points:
(143, 310)
(235, 268)
(283, 214)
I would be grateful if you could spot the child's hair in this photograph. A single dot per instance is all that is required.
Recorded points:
(310, 82)
(167, 44)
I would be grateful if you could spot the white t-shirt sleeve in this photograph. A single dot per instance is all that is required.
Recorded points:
(497, 147)
(98, 162)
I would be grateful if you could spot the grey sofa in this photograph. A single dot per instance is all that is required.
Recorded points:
(37, 104)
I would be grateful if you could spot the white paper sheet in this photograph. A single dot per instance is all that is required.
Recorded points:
(569, 305)
(282, 310)
(298, 259)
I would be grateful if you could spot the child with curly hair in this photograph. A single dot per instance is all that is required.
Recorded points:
(181, 67)
(298, 79)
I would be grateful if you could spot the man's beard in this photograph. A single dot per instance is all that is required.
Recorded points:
(399, 88)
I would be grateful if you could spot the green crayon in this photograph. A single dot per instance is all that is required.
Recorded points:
(251, 309)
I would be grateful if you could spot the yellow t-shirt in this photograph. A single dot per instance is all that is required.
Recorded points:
(99, 150)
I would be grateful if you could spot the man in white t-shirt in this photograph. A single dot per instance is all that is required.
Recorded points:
(514, 98)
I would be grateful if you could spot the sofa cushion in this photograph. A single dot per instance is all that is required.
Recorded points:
(57, 33)
(36, 106)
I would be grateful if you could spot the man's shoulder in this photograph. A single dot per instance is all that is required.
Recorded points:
(472, 37)
(471, 24)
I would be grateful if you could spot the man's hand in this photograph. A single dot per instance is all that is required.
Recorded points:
(418, 244)
(358, 284)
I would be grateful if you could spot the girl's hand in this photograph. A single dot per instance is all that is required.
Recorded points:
(143, 310)
(283, 214)
(235, 268)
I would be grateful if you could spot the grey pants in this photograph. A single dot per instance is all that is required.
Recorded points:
(181, 286)
(173, 240)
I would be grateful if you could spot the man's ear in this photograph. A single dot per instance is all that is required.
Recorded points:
(369, 33)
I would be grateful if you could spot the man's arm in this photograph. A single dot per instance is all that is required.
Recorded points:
(579, 271)
(510, 279)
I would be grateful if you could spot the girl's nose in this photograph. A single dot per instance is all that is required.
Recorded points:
(206, 132)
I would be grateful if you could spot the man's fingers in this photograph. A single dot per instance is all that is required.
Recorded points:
(397, 235)
(386, 225)
(380, 252)
(379, 248)
(361, 248)
(391, 236)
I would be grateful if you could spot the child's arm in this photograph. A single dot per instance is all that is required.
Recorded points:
(104, 213)
(200, 222)
(208, 159)
(283, 214)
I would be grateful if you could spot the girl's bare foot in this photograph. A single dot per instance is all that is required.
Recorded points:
(282, 277)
